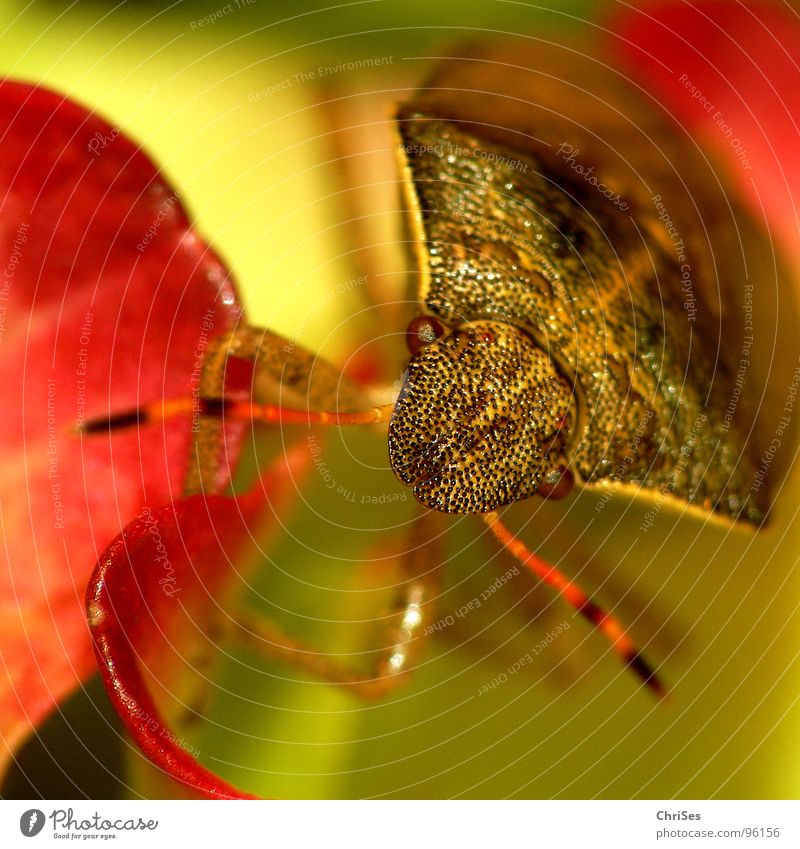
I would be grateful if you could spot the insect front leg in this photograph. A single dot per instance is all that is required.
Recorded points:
(412, 609)
(251, 363)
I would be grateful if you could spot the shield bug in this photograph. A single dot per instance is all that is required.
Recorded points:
(571, 303)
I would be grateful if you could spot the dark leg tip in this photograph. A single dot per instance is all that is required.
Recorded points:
(648, 676)
(115, 422)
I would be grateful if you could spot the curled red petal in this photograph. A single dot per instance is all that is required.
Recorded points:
(158, 593)
(730, 72)
(128, 614)
(107, 300)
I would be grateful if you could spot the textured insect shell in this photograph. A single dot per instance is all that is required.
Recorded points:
(510, 140)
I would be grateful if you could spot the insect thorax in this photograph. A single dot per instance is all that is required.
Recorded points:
(515, 239)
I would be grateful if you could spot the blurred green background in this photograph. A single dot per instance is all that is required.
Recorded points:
(716, 609)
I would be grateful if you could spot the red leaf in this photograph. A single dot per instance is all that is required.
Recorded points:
(158, 592)
(107, 299)
(730, 72)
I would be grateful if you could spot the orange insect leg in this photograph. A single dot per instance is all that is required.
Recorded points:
(607, 624)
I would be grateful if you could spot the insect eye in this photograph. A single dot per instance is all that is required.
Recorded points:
(422, 331)
(557, 485)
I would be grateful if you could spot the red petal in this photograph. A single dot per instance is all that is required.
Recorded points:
(155, 596)
(730, 72)
(106, 299)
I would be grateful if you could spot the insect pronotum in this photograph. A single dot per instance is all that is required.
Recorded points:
(558, 336)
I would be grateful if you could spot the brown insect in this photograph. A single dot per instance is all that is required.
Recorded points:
(570, 290)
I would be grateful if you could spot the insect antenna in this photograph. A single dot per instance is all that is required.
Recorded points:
(239, 410)
(608, 625)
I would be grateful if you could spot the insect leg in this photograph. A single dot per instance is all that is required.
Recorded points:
(607, 624)
(412, 609)
(281, 372)
(248, 362)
